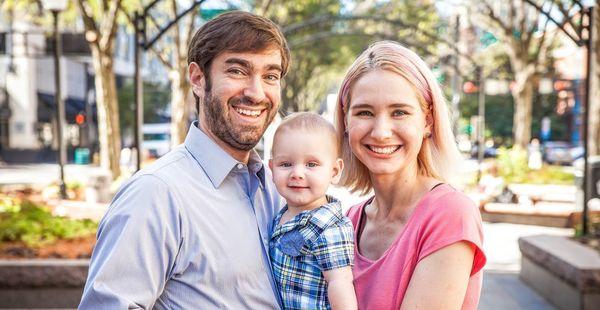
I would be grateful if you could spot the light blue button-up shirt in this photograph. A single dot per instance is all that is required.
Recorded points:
(189, 232)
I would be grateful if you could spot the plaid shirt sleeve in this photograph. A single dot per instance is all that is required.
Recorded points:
(334, 248)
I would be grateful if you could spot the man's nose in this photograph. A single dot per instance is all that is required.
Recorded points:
(254, 90)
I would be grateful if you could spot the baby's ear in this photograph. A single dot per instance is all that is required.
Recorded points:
(271, 165)
(338, 167)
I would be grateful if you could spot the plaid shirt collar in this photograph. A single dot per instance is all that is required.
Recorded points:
(320, 217)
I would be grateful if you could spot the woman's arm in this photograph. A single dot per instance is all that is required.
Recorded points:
(340, 289)
(440, 280)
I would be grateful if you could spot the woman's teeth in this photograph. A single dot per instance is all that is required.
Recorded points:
(384, 150)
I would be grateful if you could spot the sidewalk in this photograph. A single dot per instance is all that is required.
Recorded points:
(502, 288)
(44, 174)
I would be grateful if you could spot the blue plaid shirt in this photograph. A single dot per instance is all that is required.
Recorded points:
(312, 242)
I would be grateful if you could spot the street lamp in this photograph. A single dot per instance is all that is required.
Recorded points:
(56, 6)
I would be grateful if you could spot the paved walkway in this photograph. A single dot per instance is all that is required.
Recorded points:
(502, 288)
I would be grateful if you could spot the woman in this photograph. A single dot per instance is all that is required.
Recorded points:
(418, 240)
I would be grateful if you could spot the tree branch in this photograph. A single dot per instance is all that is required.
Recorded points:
(506, 29)
(88, 20)
(176, 36)
(162, 57)
(109, 26)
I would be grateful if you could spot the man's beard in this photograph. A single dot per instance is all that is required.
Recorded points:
(217, 120)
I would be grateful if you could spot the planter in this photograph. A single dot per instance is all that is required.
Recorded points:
(563, 271)
(42, 283)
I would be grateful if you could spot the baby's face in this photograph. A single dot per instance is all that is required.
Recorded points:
(303, 165)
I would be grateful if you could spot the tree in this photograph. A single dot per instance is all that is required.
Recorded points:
(172, 53)
(326, 36)
(516, 24)
(100, 19)
(594, 125)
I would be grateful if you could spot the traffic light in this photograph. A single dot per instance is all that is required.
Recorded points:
(79, 119)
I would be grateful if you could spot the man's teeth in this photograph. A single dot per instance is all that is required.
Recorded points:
(248, 112)
(384, 150)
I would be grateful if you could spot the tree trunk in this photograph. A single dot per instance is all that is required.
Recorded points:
(594, 124)
(522, 93)
(108, 113)
(180, 107)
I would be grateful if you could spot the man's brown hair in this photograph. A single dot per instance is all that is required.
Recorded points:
(235, 31)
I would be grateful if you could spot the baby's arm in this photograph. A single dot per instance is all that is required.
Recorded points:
(340, 288)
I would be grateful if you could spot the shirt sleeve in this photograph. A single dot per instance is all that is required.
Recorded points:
(138, 242)
(334, 248)
(454, 218)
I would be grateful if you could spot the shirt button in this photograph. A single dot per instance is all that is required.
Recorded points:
(240, 166)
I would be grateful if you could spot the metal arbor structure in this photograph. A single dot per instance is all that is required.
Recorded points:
(144, 43)
(578, 24)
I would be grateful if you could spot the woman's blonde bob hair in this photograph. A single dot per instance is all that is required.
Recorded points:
(439, 155)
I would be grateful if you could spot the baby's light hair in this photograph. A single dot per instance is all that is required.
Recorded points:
(307, 121)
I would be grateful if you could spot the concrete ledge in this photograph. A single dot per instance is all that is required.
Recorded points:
(547, 220)
(42, 283)
(563, 271)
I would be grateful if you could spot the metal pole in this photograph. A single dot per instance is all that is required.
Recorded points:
(455, 82)
(586, 109)
(481, 114)
(138, 91)
(62, 154)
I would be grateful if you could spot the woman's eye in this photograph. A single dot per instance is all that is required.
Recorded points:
(364, 113)
(398, 113)
(312, 164)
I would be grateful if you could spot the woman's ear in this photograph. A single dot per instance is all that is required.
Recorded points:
(429, 124)
(338, 167)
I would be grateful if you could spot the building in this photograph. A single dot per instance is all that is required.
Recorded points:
(27, 108)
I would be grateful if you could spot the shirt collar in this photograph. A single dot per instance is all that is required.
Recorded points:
(214, 160)
(321, 217)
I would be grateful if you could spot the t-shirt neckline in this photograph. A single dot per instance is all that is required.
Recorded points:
(358, 230)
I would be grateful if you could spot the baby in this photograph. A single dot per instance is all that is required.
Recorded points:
(312, 246)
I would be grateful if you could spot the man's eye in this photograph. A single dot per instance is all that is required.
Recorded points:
(312, 164)
(235, 71)
(272, 77)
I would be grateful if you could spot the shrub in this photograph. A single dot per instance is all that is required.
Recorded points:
(512, 166)
(33, 224)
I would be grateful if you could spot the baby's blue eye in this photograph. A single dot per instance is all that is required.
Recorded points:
(312, 164)
(285, 165)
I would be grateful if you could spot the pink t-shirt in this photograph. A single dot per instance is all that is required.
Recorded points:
(443, 216)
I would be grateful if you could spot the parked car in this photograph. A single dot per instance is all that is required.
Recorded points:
(561, 153)
(490, 151)
(157, 139)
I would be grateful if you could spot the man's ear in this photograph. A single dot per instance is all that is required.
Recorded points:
(197, 79)
(338, 167)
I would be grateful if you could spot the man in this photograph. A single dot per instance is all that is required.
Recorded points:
(192, 230)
